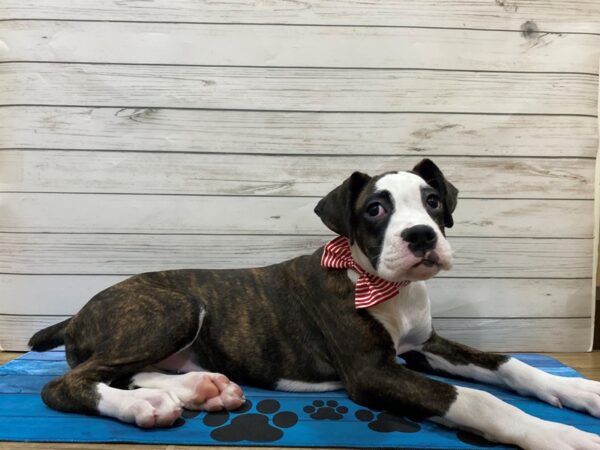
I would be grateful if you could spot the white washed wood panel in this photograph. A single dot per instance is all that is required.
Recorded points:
(116, 254)
(526, 335)
(297, 89)
(523, 218)
(257, 45)
(297, 132)
(551, 15)
(15, 331)
(450, 297)
(402, 43)
(501, 298)
(51, 294)
(234, 174)
(57, 213)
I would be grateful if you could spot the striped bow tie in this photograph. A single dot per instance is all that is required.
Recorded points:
(370, 289)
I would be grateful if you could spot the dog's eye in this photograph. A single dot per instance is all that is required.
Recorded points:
(433, 201)
(376, 210)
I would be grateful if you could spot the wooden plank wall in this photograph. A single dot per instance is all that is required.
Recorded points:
(137, 136)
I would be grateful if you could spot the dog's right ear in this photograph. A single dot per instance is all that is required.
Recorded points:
(335, 209)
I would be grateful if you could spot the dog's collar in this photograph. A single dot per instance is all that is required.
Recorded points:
(370, 290)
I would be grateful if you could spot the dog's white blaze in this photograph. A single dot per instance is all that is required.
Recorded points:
(303, 386)
(406, 317)
(405, 189)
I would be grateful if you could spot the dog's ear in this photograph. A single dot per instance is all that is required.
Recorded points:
(335, 209)
(434, 177)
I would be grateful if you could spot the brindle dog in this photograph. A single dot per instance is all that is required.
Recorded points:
(294, 326)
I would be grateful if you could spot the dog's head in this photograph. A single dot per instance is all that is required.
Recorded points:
(395, 221)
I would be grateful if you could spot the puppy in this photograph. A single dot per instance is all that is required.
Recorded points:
(335, 318)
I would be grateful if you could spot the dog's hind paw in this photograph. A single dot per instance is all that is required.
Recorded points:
(197, 390)
(153, 408)
(212, 392)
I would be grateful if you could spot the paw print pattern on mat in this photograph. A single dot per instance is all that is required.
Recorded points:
(319, 411)
(386, 422)
(263, 427)
(190, 414)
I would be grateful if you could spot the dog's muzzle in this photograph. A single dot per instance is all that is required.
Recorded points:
(421, 239)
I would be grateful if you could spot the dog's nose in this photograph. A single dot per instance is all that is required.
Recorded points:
(420, 238)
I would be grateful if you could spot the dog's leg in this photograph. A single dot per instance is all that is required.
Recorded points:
(365, 360)
(85, 390)
(116, 335)
(399, 390)
(196, 390)
(442, 355)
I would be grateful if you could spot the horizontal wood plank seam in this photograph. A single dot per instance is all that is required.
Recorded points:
(280, 24)
(253, 66)
(145, 233)
(441, 277)
(295, 111)
(435, 317)
(262, 195)
(296, 155)
(305, 111)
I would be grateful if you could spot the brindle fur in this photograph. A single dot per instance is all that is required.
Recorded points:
(453, 352)
(294, 320)
(148, 317)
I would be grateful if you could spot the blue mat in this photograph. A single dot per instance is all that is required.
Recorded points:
(328, 419)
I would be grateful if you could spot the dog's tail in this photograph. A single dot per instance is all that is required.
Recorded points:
(50, 337)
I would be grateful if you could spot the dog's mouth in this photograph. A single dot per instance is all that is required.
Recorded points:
(431, 259)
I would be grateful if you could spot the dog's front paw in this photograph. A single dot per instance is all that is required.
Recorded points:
(575, 393)
(550, 435)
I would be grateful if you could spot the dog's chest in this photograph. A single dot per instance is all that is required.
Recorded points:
(406, 317)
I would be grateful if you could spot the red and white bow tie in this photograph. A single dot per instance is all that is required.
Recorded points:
(370, 289)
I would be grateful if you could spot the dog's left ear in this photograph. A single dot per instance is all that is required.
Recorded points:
(434, 177)
(335, 209)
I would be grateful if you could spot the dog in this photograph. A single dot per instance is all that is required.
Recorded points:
(337, 318)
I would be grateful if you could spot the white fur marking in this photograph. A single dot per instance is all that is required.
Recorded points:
(501, 422)
(192, 388)
(303, 386)
(144, 407)
(183, 360)
(180, 362)
(576, 393)
(406, 317)
(466, 370)
(397, 262)
(181, 385)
